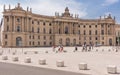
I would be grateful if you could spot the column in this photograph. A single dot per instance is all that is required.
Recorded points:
(14, 24)
(26, 24)
(22, 20)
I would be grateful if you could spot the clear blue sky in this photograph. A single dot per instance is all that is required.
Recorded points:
(89, 9)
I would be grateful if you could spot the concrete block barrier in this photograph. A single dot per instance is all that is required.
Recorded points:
(15, 58)
(83, 66)
(60, 63)
(27, 60)
(111, 69)
(4, 57)
(42, 61)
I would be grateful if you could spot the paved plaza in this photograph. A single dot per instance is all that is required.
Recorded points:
(97, 59)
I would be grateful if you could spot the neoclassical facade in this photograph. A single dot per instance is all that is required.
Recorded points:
(23, 28)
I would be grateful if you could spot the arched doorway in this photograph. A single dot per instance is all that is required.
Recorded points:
(110, 42)
(74, 42)
(67, 42)
(18, 41)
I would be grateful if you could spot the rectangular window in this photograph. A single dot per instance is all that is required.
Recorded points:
(32, 22)
(102, 32)
(44, 37)
(90, 26)
(38, 37)
(96, 38)
(33, 36)
(44, 43)
(50, 24)
(5, 42)
(29, 42)
(84, 32)
(6, 36)
(43, 23)
(90, 32)
(38, 22)
(30, 37)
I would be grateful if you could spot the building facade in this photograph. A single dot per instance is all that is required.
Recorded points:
(22, 28)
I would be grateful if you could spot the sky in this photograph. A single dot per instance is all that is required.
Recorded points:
(87, 9)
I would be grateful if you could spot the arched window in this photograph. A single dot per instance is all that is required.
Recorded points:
(18, 28)
(66, 30)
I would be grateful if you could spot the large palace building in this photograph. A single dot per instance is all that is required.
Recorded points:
(22, 28)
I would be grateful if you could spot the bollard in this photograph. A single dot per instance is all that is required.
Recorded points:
(83, 66)
(15, 58)
(4, 57)
(102, 50)
(46, 51)
(36, 52)
(1, 53)
(60, 63)
(96, 50)
(25, 52)
(27, 60)
(42, 61)
(109, 50)
(111, 69)
(13, 53)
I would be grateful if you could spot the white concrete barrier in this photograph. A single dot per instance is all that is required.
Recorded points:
(15, 58)
(60, 63)
(4, 57)
(83, 66)
(111, 69)
(27, 60)
(42, 61)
